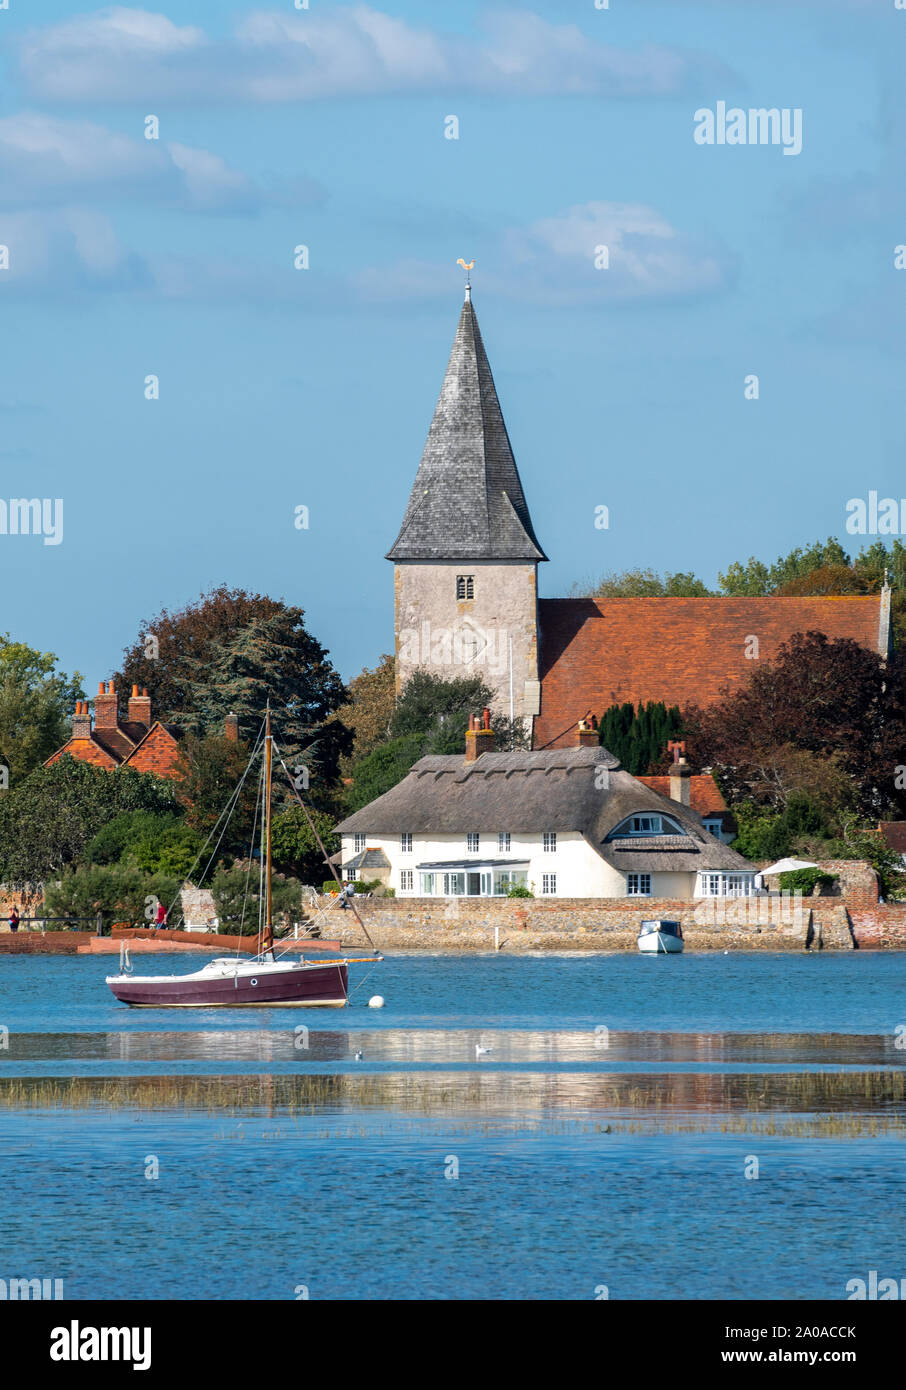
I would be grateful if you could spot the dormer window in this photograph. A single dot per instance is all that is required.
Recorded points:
(465, 586)
(649, 823)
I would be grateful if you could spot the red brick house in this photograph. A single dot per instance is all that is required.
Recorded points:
(136, 741)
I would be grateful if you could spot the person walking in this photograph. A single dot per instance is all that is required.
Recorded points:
(161, 921)
(14, 920)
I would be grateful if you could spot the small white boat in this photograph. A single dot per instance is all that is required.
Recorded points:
(664, 938)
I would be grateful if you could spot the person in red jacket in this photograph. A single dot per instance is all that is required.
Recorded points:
(14, 920)
(161, 917)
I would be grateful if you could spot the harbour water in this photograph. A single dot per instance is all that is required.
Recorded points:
(634, 1127)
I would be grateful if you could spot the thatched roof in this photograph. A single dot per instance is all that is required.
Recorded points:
(582, 790)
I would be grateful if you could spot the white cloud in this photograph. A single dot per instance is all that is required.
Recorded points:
(46, 159)
(552, 262)
(273, 56)
(66, 250)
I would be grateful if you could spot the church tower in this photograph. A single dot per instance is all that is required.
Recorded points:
(466, 558)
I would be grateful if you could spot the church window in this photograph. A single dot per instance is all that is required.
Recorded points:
(465, 586)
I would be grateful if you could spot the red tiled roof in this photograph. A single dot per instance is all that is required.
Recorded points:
(600, 652)
(86, 751)
(893, 833)
(704, 794)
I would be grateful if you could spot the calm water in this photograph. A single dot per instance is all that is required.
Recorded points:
(603, 1138)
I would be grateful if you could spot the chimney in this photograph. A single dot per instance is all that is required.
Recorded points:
(140, 707)
(588, 732)
(680, 772)
(105, 706)
(81, 720)
(479, 736)
(231, 728)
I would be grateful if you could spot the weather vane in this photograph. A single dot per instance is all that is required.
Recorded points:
(467, 266)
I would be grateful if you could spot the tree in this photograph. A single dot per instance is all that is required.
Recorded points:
(756, 578)
(372, 696)
(294, 847)
(169, 648)
(154, 843)
(639, 737)
(439, 709)
(48, 820)
(208, 773)
(121, 892)
(834, 700)
(272, 659)
(641, 583)
(35, 703)
(383, 768)
(238, 897)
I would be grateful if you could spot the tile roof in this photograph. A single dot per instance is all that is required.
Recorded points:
(704, 793)
(467, 501)
(599, 652)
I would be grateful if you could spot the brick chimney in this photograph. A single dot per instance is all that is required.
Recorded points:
(231, 727)
(140, 707)
(105, 706)
(680, 772)
(479, 736)
(81, 720)
(588, 732)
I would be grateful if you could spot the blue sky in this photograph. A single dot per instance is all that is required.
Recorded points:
(281, 388)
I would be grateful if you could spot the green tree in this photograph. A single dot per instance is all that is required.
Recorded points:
(238, 898)
(35, 703)
(294, 847)
(49, 819)
(641, 583)
(155, 843)
(208, 773)
(639, 737)
(120, 891)
(383, 768)
(372, 696)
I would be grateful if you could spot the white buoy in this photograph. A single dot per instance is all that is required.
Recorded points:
(376, 1001)
(481, 1051)
(359, 1056)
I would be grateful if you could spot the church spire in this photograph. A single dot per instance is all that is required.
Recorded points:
(467, 501)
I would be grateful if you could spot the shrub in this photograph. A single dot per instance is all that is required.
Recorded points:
(120, 892)
(237, 896)
(806, 880)
(519, 890)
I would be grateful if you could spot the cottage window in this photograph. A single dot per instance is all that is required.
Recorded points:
(406, 880)
(473, 840)
(549, 841)
(638, 885)
(645, 825)
(548, 884)
(465, 586)
(503, 842)
(714, 827)
(406, 843)
(358, 843)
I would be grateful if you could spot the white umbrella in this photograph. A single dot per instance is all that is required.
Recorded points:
(785, 866)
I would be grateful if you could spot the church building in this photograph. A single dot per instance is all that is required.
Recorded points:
(466, 590)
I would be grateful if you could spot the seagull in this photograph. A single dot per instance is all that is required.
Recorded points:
(480, 1051)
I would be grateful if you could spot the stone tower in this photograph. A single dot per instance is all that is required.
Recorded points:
(466, 558)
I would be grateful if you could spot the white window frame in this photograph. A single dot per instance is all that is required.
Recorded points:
(549, 841)
(716, 883)
(405, 843)
(548, 885)
(638, 885)
(503, 842)
(473, 842)
(358, 842)
(407, 881)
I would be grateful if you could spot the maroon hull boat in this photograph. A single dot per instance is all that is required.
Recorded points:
(264, 981)
(231, 983)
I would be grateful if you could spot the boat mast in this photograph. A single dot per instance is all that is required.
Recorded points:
(268, 758)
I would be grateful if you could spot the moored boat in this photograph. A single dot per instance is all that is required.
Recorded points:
(264, 980)
(660, 937)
